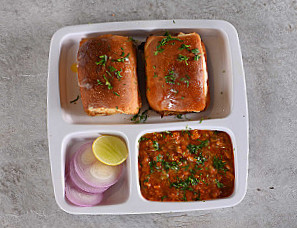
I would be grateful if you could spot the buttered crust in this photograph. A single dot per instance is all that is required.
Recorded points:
(107, 75)
(177, 79)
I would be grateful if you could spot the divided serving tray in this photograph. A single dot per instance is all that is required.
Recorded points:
(69, 126)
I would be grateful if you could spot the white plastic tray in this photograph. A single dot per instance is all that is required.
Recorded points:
(69, 126)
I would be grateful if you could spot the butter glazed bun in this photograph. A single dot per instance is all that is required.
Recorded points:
(176, 71)
(107, 75)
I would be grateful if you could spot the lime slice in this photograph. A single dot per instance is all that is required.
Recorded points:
(110, 150)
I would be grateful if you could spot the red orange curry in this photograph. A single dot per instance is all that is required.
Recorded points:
(188, 165)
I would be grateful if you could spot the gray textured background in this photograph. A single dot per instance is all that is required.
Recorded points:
(268, 37)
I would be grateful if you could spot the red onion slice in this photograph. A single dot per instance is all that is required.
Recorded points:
(81, 198)
(79, 183)
(93, 172)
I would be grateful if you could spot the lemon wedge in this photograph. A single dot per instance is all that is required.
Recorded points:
(110, 150)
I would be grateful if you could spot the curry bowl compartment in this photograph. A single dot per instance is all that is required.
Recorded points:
(218, 66)
(186, 165)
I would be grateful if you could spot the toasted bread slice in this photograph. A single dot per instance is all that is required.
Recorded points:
(177, 79)
(107, 75)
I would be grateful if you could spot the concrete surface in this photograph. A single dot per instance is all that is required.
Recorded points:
(268, 37)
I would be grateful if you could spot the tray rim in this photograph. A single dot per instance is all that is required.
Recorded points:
(61, 129)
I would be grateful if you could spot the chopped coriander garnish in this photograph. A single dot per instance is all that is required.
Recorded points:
(117, 107)
(99, 82)
(156, 145)
(185, 81)
(123, 54)
(122, 48)
(102, 61)
(198, 197)
(187, 131)
(182, 98)
(115, 93)
(76, 99)
(179, 116)
(186, 167)
(154, 67)
(163, 197)
(185, 197)
(138, 118)
(155, 75)
(181, 58)
(184, 46)
(118, 74)
(109, 86)
(193, 180)
(127, 56)
(123, 59)
(171, 77)
(169, 132)
(164, 42)
(173, 21)
(219, 164)
(185, 184)
(196, 57)
(112, 69)
(170, 165)
(195, 148)
(219, 185)
(183, 116)
(152, 165)
(158, 51)
(159, 158)
(131, 39)
(195, 51)
(201, 120)
(108, 73)
(142, 139)
(200, 159)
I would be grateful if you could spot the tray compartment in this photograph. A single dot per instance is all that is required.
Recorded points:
(116, 194)
(178, 128)
(219, 70)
